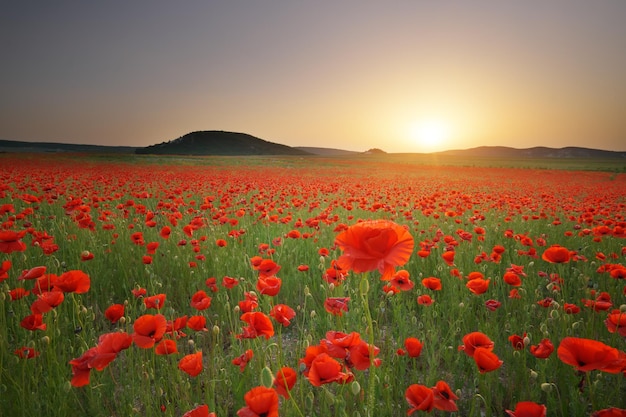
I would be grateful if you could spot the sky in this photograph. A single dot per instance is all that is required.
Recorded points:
(401, 76)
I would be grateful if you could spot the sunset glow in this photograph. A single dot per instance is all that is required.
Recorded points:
(407, 77)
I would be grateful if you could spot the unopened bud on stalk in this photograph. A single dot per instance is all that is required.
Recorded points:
(267, 379)
(216, 329)
(546, 387)
(46, 340)
(122, 320)
(331, 286)
(526, 341)
(533, 374)
(355, 387)
(307, 291)
(313, 313)
(622, 308)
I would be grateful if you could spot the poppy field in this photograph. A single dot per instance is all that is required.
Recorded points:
(309, 287)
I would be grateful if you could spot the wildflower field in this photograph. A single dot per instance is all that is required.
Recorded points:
(309, 287)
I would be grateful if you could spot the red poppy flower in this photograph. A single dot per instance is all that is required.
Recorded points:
(46, 301)
(166, 347)
(336, 305)
(199, 411)
(517, 341)
(303, 268)
(33, 322)
(191, 364)
(197, 323)
(338, 344)
(75, 281)
(543, 350)
(413, 346)
(284, 381)
(571, 308)
(528, 409)
(200, 300)
(114, 312)
(556, 254)
(401, 280)
(11, 241)
(425, 300)
(610, 412)
(152, 247)
(268, 285)
(242, 360)
(165, 232)
(493, 305)
(282, 313)
(26, 352)
(486, 360)
(250, 302)
(155, 301)
(258, 325)
(229, 282)
(4, 269)
(474, 340)
(32, 273)
(138, 292)
(616, 322)
(512, 279)
(260, 402)
(18, 293)
(362, 355)
(432, 283)
(267, 268)
(149, 329)
(588, 355)
(448, 257)
(325, 370)
(478, 286)
(419, 397)
(374, 245)
(444, 397)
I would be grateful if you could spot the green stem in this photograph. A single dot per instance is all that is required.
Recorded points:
(371, 386)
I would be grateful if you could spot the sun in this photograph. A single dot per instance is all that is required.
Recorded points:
(430, 134)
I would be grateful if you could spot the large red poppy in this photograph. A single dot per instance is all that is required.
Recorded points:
(528, 409)
(191, 364)
(258, 325)
(149, 329)
(325, 370)
(75, 281)
(486, 360)
(260, 402)
(200, 300)
(374, 245)
(413, 346)
(419, 397)
(284, 381)
(556, 254)
(588, 355)
(268, 285)
(474, 340)
(543, 350)
(444, 397)
(10, 241)
(282, 313)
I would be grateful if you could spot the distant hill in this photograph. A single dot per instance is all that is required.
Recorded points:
(218, 142)
(326, 151)
(536, 152)
(36, 147)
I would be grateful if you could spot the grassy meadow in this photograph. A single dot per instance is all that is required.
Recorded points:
(204, 257)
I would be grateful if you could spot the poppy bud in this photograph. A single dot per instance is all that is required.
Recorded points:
(122, 320)
(554, 314)
(307, 291)
(267, 378)
(546, 387)
(237, 309)
(526, 341)
(46, 340)
(575, 325)
(622, 308)
(330, 397)
(216, 330)
(313, 313)
(533, 374)
(331, 286)
(355, 387)
(67, 387)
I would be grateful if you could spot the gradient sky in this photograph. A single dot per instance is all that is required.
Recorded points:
(403, 76)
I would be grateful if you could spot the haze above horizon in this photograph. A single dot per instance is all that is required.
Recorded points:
(412, 76)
